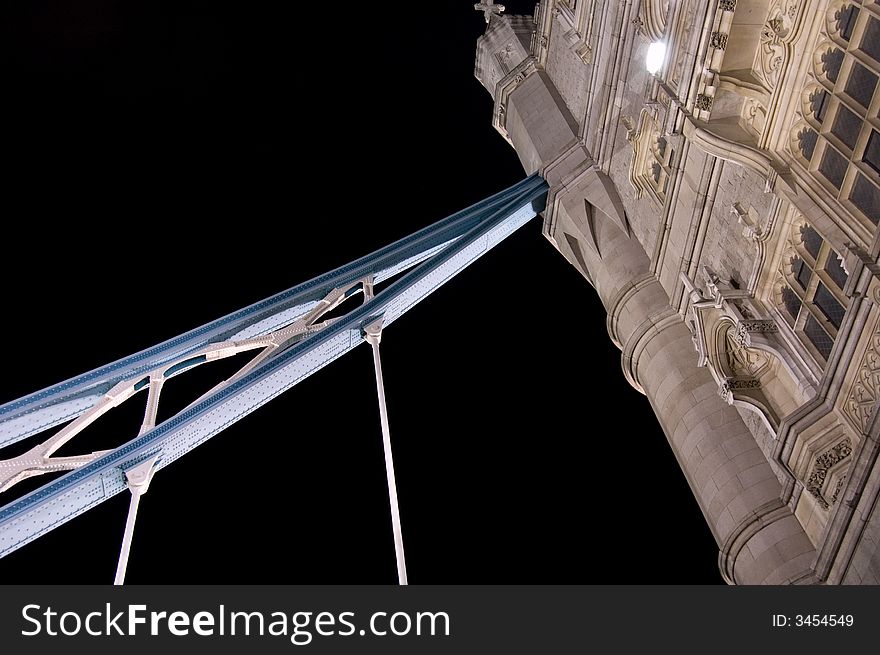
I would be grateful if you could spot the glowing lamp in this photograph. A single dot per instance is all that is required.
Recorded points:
(656, 55)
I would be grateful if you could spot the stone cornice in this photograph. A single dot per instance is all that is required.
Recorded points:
(748, 528)
(620, 300)
(640, 338)
(701, 135)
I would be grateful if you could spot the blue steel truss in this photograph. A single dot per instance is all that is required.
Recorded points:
(292, 344)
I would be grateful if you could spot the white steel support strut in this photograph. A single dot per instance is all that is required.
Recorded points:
(138, 478)
(374, 336)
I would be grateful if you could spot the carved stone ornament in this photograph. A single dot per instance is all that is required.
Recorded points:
(838, 488)
(505, 55)
(746, 329)
(763, 325)
(639, 25)
(776, 32)
(718, 40)
(629, 124)
(730, 385)
(735, 384)
(821, 466)
(703, 102)
(727, 5)
(863, 395)
(489, 9)
(745, 362)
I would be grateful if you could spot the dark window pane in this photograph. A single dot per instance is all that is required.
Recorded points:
(807, 142)
(872, 151)
(819, 104)
(846, 127)
(802, 272)
(828, 305)
(818, 337)
(812, 240)
(866, 197)
(861, 84)
(791, 301)
(871, 39)
(831, 62)
(661, 146)
(833, 166)
(846, 21)
(835, 270)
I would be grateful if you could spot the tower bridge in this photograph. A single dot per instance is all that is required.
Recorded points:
(711, 170)
(291, 335)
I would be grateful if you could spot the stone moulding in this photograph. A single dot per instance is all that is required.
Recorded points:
(732, 151)
(861, 400)
(821, 466)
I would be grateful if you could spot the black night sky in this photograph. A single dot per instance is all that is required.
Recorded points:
(169, 162)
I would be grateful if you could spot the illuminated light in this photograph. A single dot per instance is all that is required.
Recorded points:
(655, 58)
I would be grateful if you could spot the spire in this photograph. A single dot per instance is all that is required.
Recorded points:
(489, 8)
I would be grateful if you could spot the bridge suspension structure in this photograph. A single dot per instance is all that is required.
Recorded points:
(291, 336)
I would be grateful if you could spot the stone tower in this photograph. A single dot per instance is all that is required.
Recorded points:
(724, 206)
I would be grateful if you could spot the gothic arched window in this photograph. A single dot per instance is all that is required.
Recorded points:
(659, 165)
(841, 148)
(812, 299)
(653, 154)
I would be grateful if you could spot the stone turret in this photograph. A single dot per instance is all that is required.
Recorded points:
(740, 494)
(502, 48)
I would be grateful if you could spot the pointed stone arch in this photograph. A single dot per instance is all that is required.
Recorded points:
(654, 15)
(739, 371)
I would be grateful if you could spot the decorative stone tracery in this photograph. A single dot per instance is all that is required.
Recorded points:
(822, 466)
(862, 398)
(776, 33)
(832, 132)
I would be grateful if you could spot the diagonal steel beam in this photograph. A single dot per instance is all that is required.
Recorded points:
(430, 257)
(64, 401)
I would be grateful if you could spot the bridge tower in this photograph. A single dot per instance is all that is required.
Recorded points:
(675, 193)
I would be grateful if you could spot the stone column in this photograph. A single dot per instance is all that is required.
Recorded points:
(761, 541)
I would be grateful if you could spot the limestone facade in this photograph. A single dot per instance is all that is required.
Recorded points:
(725, 210)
